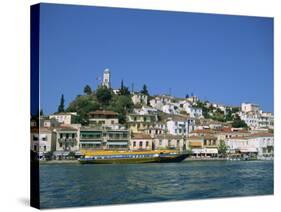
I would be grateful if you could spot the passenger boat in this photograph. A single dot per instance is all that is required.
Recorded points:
(118, 157)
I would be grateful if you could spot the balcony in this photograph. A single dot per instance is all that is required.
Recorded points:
(67, 140)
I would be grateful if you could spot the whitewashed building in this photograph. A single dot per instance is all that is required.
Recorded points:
(42, 141)
(169, 141)
(256, 120)
(64, 118)
(141, 141)
(139, 98)
(249, 107)
(261, 144)
(180, 125)
(159, 101)
(194, 112)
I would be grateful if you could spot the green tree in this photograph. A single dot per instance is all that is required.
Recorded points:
(144, 90)
(124, 90)
(61, 105)
(122, 105)
(41, 112)
(238, 123)
(104, 95)
(87, 90)
(222, 148)
(83, 105)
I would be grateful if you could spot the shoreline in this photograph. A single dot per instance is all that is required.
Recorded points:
(186, 160)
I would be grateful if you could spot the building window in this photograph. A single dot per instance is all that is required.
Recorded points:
(147, 144)
(134, 144)
(140, 143)
(44, 138)
(45, 148)
(178, 143)
(169, 142)
(160, 142)
(60, 144)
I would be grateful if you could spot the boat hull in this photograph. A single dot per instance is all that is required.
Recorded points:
(160, 159)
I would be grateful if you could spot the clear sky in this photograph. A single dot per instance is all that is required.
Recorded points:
(223, 59)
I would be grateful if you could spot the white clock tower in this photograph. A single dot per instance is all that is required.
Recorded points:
(106, 78)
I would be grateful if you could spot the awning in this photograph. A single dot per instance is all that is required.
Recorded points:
(205, 151)
(212, 151)
(117, 143)
(61, 153)
(197, 151)
(248, 150)
(90, 142)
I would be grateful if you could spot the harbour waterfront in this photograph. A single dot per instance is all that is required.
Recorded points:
(64, 185)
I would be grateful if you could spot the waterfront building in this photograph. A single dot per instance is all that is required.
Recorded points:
(64, 118)
(263, 142)
(138, 122)
(203, 146)
(42, 141)
(67, 140)
(180, 125)
(139, 98)
(91, 138)
(117, 139)
(106, 138)
(228, 132)
(259, 144)
(141, 141)
(106, 81)
(103, 118)
(169, 141)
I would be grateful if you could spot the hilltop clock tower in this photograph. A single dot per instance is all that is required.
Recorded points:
(106, 78)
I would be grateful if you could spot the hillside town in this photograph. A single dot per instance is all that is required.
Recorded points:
(204, 129)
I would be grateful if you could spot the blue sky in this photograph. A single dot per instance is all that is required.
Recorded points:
(223, 59)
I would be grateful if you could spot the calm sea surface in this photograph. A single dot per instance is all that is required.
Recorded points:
(65, 185)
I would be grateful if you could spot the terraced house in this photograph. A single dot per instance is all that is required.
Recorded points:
(97, 138)
(206, 145)
(169, 141)
(138, 123)
(67, 140)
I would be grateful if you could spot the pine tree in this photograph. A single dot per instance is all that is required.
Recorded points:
(144, 90)
(87, 90)
(61, 105)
